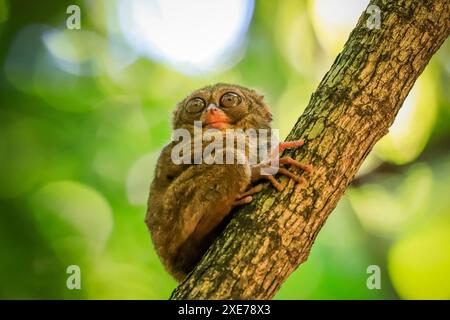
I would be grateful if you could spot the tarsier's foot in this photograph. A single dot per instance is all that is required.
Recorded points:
(288, 160)
(246, 197)
(289, 145)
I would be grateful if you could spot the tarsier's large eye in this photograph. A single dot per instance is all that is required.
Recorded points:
(195, 105)
(230, 99)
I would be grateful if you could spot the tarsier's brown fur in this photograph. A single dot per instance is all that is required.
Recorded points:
(188, 202)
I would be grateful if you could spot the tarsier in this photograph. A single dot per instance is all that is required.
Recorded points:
(188, 202)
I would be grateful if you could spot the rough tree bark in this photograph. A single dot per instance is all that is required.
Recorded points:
(353, 107)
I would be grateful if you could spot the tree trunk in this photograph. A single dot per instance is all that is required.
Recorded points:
(353, 107)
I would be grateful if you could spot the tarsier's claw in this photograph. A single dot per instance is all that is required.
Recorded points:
(291, 175)
(252, 191)
(295, 163)
(288, 160)
(274, 182)
(242, 201)
(246, 197)
(275, 161)
(290, 144)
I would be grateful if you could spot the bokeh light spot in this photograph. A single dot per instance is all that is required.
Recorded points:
(139, 175)
(385, 209)
(191, 36)
(333, 20)
(412, 127)
(75, 218)
(419, 264)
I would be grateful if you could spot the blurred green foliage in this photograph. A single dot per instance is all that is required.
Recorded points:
(81, 127)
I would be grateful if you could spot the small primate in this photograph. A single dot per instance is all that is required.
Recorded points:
(188, 202)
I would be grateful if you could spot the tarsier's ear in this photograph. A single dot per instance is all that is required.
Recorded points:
(263, 108)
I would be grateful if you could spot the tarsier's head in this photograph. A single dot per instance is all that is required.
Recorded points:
(223, 106)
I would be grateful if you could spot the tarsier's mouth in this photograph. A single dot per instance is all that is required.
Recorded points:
(216, 121)
(217, 124)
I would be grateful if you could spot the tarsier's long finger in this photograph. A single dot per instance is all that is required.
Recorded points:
(295, 163)
(293, 176)
(242, 201)
(289, 145)
(274, 182)
(252, 191)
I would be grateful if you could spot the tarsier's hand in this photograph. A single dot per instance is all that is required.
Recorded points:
(264, 166)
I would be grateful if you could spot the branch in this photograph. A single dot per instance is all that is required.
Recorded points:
(353, 107)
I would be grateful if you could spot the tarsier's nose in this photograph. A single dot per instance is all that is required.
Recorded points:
(212, 108)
